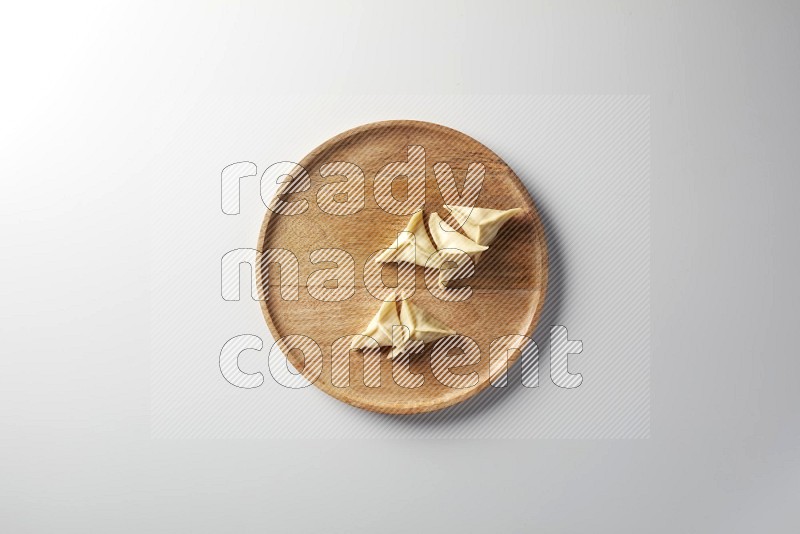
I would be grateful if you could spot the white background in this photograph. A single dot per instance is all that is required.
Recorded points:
(96, 98)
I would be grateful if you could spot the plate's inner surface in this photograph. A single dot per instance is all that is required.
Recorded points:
(508, 285)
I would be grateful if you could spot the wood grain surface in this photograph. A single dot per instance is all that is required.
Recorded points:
(508, 286)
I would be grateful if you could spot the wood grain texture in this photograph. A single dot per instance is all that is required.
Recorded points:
(508, 287)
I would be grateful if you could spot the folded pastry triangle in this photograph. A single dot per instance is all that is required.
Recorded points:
(403, 250)
(445, 236)
(422, 325)
(380, 327)
(481, 224)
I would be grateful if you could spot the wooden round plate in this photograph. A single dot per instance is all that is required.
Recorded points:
(508, 285)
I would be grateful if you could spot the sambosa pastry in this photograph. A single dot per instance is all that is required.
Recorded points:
(422, 326)
(445, 236)
(380, 327)
(481, 224)
(403, 250)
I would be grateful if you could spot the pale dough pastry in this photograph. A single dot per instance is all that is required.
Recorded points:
(446, 236)
(380, 327)
(481, 224)
(402, 249)
(422, 326)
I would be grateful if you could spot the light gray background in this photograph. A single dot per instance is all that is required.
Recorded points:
(97, 98)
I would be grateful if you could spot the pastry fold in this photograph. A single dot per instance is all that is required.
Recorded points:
(403, 249)
(445, 236)
(481, 224)
(421, 326)
(380, 327)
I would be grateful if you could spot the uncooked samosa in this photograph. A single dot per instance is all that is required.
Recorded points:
(422, 325)
(402, 250)
(445, 236)
(481, 224)
(380, 327)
